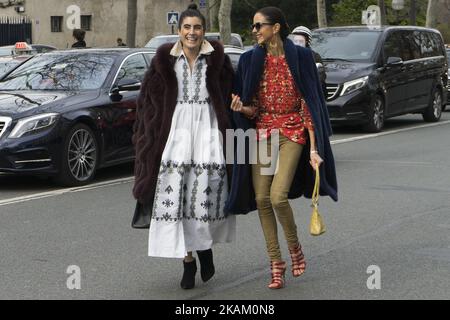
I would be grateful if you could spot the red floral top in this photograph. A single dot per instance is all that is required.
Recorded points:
(280, 104)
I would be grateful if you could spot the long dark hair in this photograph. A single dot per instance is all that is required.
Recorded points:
(275, 15)
(192, 11)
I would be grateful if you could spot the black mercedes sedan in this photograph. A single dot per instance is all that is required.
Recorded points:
(67, 113)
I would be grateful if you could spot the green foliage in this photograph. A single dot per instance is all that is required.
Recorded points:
(348, 12)
(298, 12)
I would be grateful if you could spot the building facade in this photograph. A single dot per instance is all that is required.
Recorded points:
(104, 20)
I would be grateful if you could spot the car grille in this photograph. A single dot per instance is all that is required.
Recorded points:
(4, 122)
(332, 91)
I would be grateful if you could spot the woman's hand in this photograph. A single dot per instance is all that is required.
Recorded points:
(315, 160)
(236, 103)
(238, 106)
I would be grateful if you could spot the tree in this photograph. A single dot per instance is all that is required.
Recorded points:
(213, 7)
(321, 14)
(432, 14)
(131, 23)
(382, 6)
(225, 20)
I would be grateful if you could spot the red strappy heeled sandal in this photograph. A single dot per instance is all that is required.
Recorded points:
(298, 260)
(278, 269)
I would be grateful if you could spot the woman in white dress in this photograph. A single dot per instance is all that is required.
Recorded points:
(181, 173)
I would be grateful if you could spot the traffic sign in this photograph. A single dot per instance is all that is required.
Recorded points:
(172, 17)
(202, 4)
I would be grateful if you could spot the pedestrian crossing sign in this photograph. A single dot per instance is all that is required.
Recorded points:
(172, 18)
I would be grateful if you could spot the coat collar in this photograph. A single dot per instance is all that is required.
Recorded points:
(177, 50)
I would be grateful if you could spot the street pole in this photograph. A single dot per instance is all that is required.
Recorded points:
(412, 13)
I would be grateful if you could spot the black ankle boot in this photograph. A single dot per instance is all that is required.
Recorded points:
(206, 263)
(190, 269)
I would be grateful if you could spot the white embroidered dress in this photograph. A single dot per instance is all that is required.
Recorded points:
(192, 184)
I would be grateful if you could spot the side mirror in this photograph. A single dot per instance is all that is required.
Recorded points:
(124, 85)
(394, 61)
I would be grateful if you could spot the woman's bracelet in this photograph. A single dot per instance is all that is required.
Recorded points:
(314, 151)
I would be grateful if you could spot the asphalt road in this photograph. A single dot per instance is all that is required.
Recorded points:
(393, 213)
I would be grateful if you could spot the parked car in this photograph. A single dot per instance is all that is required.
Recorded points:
(67, 113)
(377, 73)
(235, 54)
(23, 47)
(448, 76)
(155, 42)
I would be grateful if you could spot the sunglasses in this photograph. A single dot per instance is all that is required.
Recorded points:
(258, 25)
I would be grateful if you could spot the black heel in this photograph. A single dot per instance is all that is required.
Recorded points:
(188, 280)
(206, 263)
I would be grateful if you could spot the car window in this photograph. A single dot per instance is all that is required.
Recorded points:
(345, 44)
(429, 45)
(235, 41)
(149, 56)
(133, 68)
(7, 51)
(7, 66)
(73, 72)
(393, 46)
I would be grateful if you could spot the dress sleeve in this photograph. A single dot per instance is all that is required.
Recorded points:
(306, 116)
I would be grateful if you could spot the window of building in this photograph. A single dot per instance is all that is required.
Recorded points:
(86, 23)
(56, 23)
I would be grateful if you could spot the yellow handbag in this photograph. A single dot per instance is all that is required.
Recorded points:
(316, 226)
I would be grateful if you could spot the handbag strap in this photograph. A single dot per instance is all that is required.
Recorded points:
(315, 194)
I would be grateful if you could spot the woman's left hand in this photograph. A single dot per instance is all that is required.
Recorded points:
(315, 160)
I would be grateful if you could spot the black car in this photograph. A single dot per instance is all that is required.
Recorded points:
(68, 113)
(448, 76)
(377, 73)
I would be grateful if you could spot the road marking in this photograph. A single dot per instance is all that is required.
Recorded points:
(375, 135)
(110, 183)
(59, 192)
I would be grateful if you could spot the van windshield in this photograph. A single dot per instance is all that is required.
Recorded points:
(345, 44)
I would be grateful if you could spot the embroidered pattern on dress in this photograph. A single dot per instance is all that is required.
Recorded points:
(185, 82)
(198, 80)
(174, 170)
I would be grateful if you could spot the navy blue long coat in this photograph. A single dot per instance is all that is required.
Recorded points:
(301, 63)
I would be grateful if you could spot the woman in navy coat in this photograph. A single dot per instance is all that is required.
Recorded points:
(278, 93)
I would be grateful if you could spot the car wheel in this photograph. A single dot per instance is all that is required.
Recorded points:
(80, 157)
(434, 111)
(375, 115)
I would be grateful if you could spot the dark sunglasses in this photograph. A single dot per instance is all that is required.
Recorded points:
(258, 25)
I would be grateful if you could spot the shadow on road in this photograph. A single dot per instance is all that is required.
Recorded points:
(11, 183)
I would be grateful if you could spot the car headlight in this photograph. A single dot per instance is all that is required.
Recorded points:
(33, 123)
(354, 85)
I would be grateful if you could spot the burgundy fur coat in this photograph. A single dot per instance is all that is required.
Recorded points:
(155, 108)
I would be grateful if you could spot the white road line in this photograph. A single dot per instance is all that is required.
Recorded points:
(374, 135)
(58, 192)
(105, 184)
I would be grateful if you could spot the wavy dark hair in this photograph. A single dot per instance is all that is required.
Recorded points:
(192, 11)
(275, 15)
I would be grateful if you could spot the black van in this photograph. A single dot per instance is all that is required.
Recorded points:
(377, 73)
